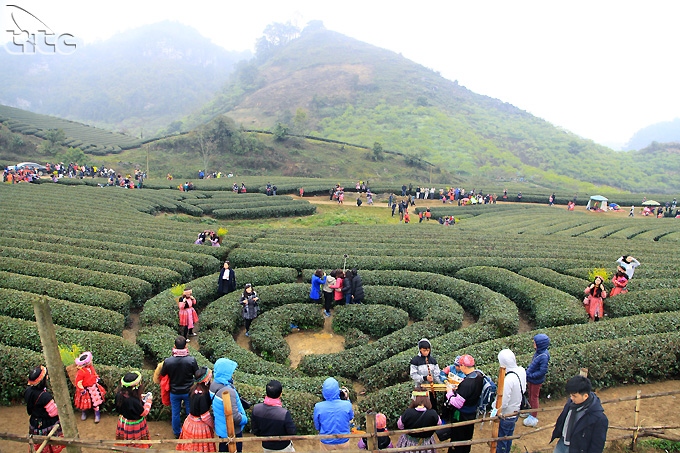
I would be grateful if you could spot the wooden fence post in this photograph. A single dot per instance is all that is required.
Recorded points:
(637, 419)
(499, 404)
(55, 369)
(371, 432)
(229, 418)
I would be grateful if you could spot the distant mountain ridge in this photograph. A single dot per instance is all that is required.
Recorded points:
(143, 78)
(664, 132)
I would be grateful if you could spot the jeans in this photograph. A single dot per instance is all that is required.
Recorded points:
(348, 298)
(176, 407)
(560, 447)
(506, 427)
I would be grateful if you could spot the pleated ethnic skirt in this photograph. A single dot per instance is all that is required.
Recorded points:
(132, 430)
(44, 432)
(93, 397)
(195, 428)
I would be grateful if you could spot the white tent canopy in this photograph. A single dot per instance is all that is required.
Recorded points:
(602, 202)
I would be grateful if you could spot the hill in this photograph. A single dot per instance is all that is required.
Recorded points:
(136, 82)
(666, 131)
(329, 85)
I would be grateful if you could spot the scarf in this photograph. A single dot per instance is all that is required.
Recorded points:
(180, 352)
(272, 401)
(576, 411)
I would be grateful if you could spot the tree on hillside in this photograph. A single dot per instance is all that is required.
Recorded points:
(53, 141)
(300, 122)
(75, 155)
(275, 35)
(280, 132)
(206, 145)
(378, 151)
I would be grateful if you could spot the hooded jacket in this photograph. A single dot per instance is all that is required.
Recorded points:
(590, 429)
(538, 367)
(419, 368)
(333, 415)
(515, 382)
(223, 382)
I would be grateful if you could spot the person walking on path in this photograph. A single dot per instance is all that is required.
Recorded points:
(250, 306)
(227, 279)
(536, 372)
(180, 368)
(582, 426)
(269, 418)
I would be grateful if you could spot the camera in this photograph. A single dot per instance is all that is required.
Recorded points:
(346, 255)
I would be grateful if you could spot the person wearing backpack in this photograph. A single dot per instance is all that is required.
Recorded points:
(464, 399)
(514, 386)
(536, 372)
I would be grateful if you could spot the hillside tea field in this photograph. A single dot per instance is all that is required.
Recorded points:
(100, 254)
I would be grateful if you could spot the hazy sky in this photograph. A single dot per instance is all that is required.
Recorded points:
(601, 69)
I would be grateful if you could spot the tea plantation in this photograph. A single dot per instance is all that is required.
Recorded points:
(99, 254)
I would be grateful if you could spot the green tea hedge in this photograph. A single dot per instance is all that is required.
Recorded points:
(268, 329)
(107, 349)
(547, 306)
(138, 289)
(19, 304)
(644, 301)
(350, 362)
(160, 278)
(86, 295)
(374, 320)
(570, 285)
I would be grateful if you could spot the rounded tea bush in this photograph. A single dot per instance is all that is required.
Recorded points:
(373, 320)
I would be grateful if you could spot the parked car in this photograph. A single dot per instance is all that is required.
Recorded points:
(40, 169)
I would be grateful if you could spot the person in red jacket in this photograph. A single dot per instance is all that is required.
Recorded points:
(89, 393)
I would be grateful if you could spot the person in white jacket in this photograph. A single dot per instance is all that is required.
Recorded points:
(628, 264)
(514, 386)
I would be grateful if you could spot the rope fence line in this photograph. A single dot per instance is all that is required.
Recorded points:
(121, 445)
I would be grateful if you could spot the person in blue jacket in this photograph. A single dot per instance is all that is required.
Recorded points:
(333, 416)
(318, 280)
(536, 372)
(223, 382)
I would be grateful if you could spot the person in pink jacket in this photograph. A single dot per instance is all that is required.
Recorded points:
(337, 288)
(594, 301)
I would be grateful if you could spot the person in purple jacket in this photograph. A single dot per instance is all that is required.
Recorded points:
(536, 372)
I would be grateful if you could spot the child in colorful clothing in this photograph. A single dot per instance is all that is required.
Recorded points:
(133, 408)
(89, 393)
(41, 407)
(187, 313)
(199, 423)
(381, 427)
(620, 281)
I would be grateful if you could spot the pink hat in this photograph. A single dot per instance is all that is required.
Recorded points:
(84, 359)
(380, 421)
(467, 360)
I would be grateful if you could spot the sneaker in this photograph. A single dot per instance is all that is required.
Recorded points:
(293, 326)
(192, 334)
(247, 334)
(188, 341)
(327, 314)
(530, 421)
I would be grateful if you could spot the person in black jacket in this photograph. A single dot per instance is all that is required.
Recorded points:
(271, 419)
(347, 287)
(582, 426)
(227, 280)
(357, 288)
(180, 367)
